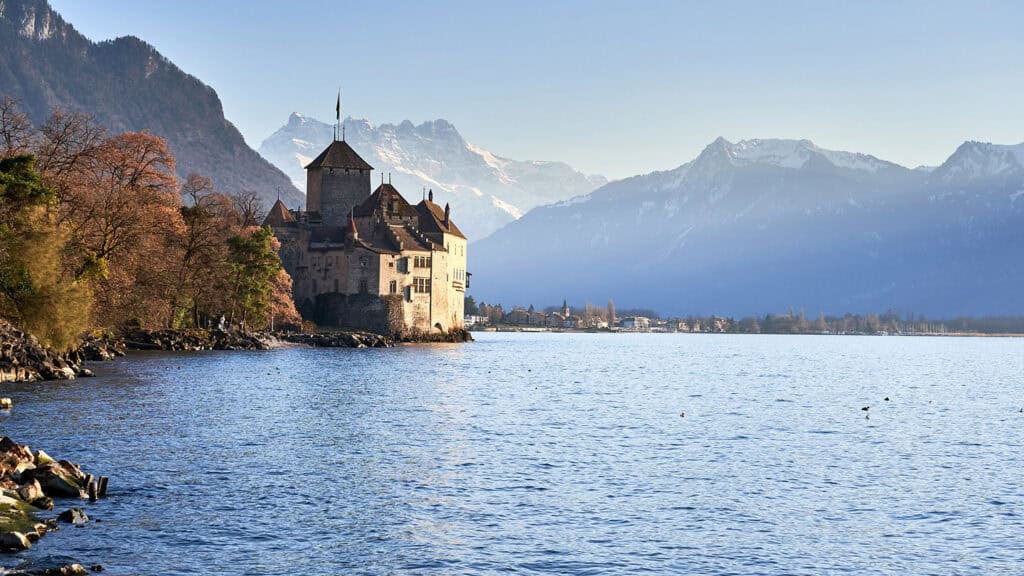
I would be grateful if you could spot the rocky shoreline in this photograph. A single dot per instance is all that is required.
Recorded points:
(24, 359)
(30, 485)
(457, 336)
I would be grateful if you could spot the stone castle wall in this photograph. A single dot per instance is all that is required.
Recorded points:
(368, 312)
(334, 192)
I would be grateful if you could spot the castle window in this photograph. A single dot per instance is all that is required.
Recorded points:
(363, 287)
(393, 287)
(421, 285)
(421, 262)
(335, 284)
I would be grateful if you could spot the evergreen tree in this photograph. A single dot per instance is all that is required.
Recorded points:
(470, 308)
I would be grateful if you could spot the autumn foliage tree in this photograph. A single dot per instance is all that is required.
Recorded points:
(127, 229)
(93, 232)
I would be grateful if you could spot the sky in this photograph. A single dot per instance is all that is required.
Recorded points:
(615, 88)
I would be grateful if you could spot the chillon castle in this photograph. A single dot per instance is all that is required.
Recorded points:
(370, 261)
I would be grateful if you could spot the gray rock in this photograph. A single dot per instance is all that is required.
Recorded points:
(44, 503)
(14, 542)
(31, 491)
(73, 516)
(60, 479)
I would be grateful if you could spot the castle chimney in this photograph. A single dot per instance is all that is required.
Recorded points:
(430, 195)
(447, 214)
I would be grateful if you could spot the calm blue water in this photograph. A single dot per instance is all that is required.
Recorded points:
(549, 454)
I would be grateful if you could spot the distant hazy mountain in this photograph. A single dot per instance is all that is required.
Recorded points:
(764, 225)
(485, 191)
(128, 86)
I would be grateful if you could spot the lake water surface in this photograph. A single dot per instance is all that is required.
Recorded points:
(548, 454)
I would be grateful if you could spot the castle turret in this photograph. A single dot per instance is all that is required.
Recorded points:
(337, 181)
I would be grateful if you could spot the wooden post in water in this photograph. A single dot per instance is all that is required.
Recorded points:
(92, 491)
(102, 492)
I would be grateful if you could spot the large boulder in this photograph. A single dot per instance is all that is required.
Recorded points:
(14, 457)
(31, 491)
(14, 542)
(42, 458)
(60, 479)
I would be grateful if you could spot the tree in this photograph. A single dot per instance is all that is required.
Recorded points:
(470, 308)
(66, 145)
(495, 314)
(611, 313)
(820, 325)
(801, 324)
(124, 214)
(16, 133)
(249, 208)
(31, 242)
(283, 314)
(209, 219)
(254, 264)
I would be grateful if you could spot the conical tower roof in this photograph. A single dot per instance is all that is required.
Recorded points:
(339, 155)
(279, 215)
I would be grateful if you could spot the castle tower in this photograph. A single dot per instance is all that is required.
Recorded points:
(337, 181)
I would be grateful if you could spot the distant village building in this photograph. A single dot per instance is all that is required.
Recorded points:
(472, 320)
(636, 324)
(370, 261)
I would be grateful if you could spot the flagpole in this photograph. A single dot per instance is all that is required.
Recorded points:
(337, 113)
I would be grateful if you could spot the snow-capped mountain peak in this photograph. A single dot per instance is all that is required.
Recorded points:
(486, 191)
(784, 153)
(979, 160)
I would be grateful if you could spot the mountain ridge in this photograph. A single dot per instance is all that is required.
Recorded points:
(737, 232)
(486, 190)
(127, 85)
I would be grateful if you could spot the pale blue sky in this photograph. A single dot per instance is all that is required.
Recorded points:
(618, 88)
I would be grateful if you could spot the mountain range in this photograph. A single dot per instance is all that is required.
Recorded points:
(126, 85)
(486, 191)
(767, 225)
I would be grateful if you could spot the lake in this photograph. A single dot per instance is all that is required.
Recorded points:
(548, 454)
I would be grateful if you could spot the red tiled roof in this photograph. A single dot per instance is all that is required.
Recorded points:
(382, 200)
(432, 220)
(278, 215)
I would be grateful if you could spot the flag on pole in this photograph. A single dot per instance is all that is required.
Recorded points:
(337, 108)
